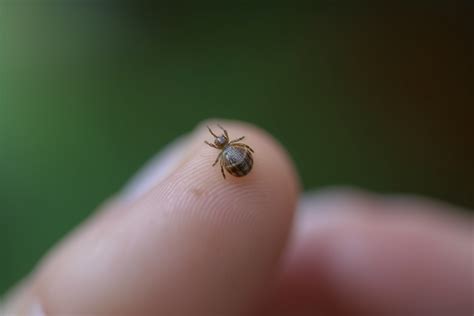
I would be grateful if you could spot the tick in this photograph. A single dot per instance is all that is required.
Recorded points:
(235, 157)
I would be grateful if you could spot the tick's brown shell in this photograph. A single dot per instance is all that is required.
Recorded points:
(237, 160)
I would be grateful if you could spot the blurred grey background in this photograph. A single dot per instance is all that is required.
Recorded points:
(379, 97)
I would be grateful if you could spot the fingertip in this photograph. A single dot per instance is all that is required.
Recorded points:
(199, 188)
(189, 242)
(272, 184)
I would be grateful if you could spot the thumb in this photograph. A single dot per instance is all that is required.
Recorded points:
(191, 243)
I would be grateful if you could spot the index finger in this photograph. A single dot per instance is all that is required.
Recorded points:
(193, 244)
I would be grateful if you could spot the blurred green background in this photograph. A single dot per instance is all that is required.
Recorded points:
(379, 97)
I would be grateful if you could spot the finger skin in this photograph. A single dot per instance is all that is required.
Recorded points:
(195, 244)
(367, 255)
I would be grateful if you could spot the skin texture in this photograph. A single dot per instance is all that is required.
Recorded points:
(182, 241)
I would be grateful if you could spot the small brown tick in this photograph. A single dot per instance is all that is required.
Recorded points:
(234, 157)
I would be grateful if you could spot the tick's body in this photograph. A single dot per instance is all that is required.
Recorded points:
(234, 157)
(238, 161)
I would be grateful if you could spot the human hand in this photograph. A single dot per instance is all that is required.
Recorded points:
(181, 240)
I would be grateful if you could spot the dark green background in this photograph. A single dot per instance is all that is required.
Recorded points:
(376, 97)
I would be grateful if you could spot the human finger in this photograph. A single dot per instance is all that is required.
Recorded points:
(191, 243)
(362, 254)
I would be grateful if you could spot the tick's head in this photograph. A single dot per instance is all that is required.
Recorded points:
(221, 141)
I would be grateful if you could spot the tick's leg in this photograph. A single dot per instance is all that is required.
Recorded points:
(237, 140)
(210, 131)
(225, 132)
(222, 170)
(212, 145)
(243, 145)
(217, 159)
